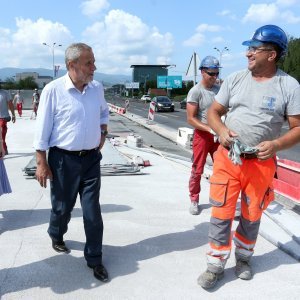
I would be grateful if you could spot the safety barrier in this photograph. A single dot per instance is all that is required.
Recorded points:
(287, 182)
(117, 109)
(151, 111)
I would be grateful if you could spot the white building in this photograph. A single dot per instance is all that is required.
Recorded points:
(40, 80)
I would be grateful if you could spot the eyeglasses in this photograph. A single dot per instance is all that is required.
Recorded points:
(255, 50)
(212, 73)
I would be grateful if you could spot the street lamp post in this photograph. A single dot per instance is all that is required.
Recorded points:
(220, 60)
(52, 47)
(167, 81)
(145, 77)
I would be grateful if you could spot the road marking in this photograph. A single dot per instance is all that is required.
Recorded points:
(174, 116)
(167, 115)
(163, 116)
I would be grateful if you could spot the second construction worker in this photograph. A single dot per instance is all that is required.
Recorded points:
(199, 99)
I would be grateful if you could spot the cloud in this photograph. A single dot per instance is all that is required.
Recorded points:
(92, 8)
(227, 13)
(195, 40)
(290, 17)
(31, 32)
(261, 13)
(218, 40)
(199, 37)
(286, 2)
(122, 39)
(24, 47)
(267, 13)
(209, 28)
(224, 12)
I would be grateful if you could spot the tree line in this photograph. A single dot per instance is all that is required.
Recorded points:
(291, 61)
(27, 83)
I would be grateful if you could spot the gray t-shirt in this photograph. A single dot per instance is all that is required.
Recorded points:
(5, 97)
(203, 97)
(257, 110)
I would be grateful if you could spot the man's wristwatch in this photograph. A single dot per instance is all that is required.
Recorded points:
(104, 132)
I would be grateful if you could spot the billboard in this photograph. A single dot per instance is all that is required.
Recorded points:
(132, 85)
(169, 82)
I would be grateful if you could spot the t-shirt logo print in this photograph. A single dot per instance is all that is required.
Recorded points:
(268, 103)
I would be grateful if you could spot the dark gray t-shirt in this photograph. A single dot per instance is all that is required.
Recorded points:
(257, 110)
(203, 97)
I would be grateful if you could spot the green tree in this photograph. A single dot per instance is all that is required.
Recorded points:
(9, 84)
(291, 61)
(27, 83)
(150, 84)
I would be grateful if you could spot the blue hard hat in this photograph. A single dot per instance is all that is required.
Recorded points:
(209, 62)
(269, 34)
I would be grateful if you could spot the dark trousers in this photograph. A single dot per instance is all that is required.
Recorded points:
(73, 175)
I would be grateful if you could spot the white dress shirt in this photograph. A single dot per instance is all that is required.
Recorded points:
(70, 119)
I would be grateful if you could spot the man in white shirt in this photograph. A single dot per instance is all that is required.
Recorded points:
(72, 124)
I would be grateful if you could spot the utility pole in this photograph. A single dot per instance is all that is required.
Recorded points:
(193, 63)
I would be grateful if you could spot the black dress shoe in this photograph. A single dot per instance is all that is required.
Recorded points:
(60, 247)
(100, 272)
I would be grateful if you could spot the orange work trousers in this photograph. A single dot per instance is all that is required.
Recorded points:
(253, 180)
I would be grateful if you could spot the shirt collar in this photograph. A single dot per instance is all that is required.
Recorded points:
(70, 85)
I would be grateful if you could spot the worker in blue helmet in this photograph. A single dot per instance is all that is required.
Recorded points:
(269, 34)
(256, 101)
(199, 98)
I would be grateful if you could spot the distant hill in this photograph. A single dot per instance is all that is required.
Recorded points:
(106, 79)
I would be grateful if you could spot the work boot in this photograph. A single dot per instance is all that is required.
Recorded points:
(208, 279)
(243, 269)
(194, 209)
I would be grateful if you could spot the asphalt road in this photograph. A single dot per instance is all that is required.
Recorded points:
(178, 119)
(150, 138)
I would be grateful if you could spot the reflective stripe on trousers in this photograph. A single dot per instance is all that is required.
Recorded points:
(254, 180)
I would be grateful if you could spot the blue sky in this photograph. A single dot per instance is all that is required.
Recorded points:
(126, 32)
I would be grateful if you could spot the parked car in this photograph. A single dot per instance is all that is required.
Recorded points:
(163, 103)
(146, 98)
(183, 103)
